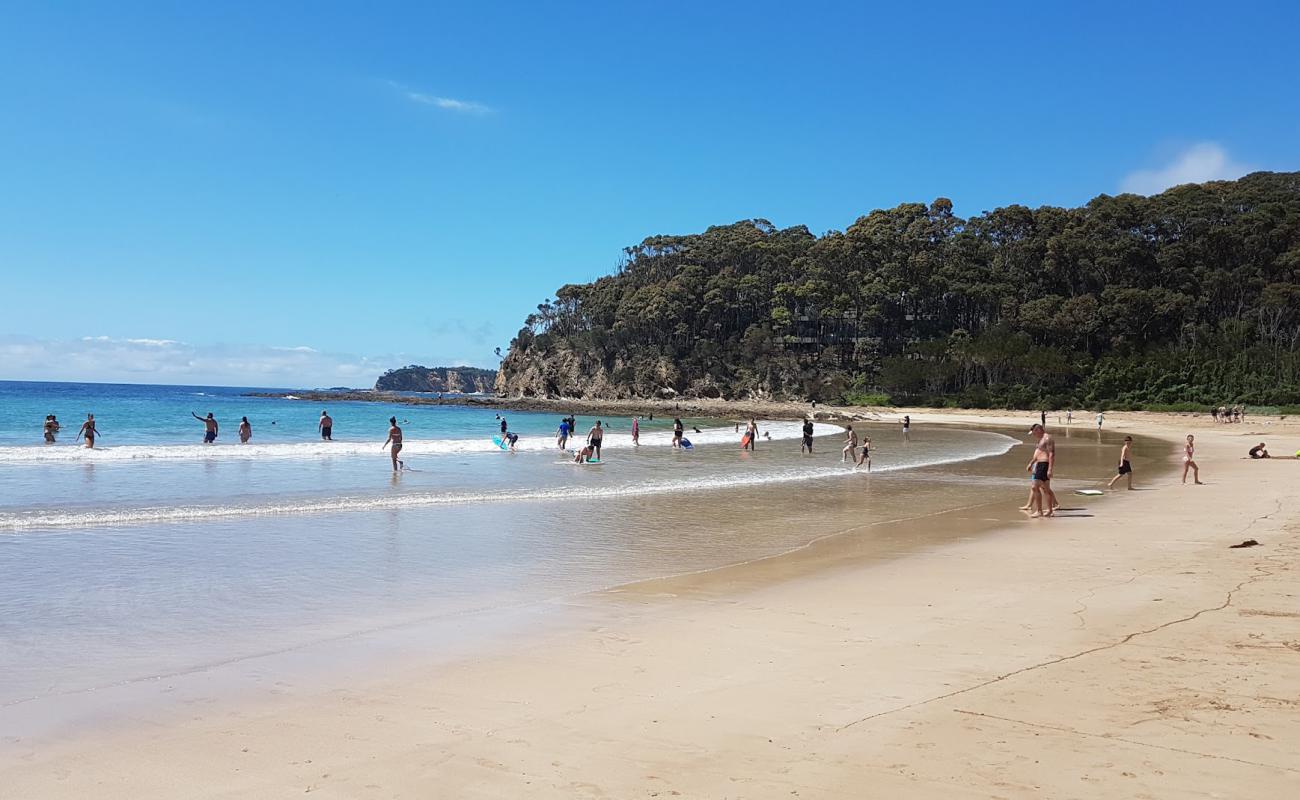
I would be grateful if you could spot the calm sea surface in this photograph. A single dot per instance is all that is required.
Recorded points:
(155, 555)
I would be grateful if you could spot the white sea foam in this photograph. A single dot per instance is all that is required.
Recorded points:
(70, 453)
(996, 445)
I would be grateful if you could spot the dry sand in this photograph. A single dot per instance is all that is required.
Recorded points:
(1122, 650)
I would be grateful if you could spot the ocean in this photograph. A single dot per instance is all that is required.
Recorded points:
(155, 557)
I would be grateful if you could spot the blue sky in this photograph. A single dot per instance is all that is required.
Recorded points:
(307, 193)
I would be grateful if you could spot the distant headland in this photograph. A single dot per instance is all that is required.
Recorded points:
(459, 380)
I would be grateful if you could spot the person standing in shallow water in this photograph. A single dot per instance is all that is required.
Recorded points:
(245, 430)
(807, 436)
(850, 452)
(209, 427)
(326, 426)
(51, 428)
(395, 439)
(89, 431)
(595, 437)
(751, 430)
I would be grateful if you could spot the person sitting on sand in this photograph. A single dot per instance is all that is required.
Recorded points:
(1258, 451)
(209, 427)
(1125, 468)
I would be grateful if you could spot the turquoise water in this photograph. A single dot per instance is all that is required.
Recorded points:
(156, 555)
(137, 414)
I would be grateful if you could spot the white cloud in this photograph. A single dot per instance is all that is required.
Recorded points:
(449, 103)
(446, 103)
(150, 360)
(1205, 161)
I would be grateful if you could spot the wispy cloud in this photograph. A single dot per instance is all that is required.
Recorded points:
(1205, 161)
(446, 103)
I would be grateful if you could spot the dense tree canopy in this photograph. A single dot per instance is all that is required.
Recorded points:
(1191, 296)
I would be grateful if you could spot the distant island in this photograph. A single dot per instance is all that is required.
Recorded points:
(414, 378)
(1181, 300)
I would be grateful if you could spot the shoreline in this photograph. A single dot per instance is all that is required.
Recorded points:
(790, 676)
(744, 409)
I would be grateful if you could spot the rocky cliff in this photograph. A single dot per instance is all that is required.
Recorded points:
(465, 380)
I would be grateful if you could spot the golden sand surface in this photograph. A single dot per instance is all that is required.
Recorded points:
(1123, 649)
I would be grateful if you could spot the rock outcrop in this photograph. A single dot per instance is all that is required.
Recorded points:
(463, 380)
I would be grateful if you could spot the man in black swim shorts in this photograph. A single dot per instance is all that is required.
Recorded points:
(1042, 500)
(1125, 468)
(807, 436)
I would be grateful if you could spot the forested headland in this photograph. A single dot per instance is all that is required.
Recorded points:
(415, 378)
(1186, 298)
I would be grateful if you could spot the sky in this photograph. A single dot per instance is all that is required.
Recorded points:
(308, 193)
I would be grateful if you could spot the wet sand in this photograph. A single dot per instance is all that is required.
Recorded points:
(1121, 650)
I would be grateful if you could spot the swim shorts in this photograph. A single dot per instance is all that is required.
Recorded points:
(1040, 471)
(209, 437)
(326, 432)
(1125, 468)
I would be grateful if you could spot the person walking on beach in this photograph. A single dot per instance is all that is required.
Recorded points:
(1101, 418)
(677, 431)
(850, 451)
(595, 437)
(751, 430)
(806, 447)
(636, 431)
(1042, 501)
(1125, 468)
(563, 438)
(1189, 460)
(865, 458)
(326, 426)
(395, 438)
(245, 430)
(51, 428)
(209, 427)
(1069, 416)
(89, 431)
